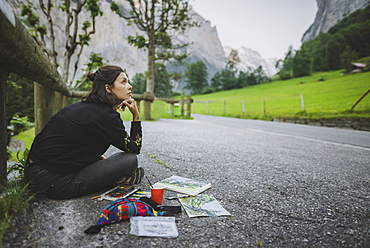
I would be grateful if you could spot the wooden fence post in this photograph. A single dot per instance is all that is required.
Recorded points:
(302, 100)
(44, 106)
(3, 131)
(182, 106)
(243, 110)
(58, 102)
(188, 113)
(172, 110)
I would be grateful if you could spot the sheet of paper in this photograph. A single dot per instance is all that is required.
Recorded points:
(151, 226)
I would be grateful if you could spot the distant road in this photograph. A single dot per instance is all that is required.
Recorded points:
(324, 134)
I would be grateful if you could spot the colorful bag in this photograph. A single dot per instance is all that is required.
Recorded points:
(123, 209)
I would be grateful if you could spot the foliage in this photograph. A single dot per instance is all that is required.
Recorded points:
(19, 124)
(95, 61)
(286, 71)
(14, 196)
(230, 79)
(19, 104)
(196, 77)
(158, 20)
(163, 82)
(138, 83)
(14, 200)
(77, 30)
(20, 165)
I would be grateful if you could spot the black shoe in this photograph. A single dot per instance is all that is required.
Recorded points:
(135, 177)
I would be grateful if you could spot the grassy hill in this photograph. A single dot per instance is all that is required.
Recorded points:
(325, 95)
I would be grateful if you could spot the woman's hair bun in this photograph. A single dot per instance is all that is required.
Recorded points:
(91, 76)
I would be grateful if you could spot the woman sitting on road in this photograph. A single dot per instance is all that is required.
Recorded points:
(66, 158)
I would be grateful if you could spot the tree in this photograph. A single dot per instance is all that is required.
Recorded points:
(77, 32)
(287, 67)
(252, 77)
(196, 77)
(138, 83)
(95, 61)
(163, 79)
(232, 59)
(320, 53)
(301, 62)
(163, 82)
(224, 80)
(158, 19)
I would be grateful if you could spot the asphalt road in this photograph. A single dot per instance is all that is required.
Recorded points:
(286, 185)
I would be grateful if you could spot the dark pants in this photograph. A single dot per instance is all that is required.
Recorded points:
(101, 175)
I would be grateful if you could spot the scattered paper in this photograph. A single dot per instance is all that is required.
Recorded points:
(151, 226)
(203, 205)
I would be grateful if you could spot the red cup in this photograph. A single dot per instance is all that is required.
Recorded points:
(157, 193)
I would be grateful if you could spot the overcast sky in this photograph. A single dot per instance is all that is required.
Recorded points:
(266, 26)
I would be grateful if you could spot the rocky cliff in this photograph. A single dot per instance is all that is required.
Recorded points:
(329, 13)
(251, 60)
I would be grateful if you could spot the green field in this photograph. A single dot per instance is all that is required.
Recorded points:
(325, 95)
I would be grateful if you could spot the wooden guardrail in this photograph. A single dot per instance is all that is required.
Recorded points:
(150, 98)
(21, 54)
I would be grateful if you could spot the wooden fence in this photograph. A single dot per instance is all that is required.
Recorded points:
(20, 54)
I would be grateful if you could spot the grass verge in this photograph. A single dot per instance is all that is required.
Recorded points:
(14, 200)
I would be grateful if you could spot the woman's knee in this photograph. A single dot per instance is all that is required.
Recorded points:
(128, 160)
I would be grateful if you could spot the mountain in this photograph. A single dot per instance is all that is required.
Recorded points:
(329, 13)
(110, 40)
(251, 60)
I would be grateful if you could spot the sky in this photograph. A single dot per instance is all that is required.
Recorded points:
(266, 26)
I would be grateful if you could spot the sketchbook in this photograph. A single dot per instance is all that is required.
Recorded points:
(183, 185)
(203, 205)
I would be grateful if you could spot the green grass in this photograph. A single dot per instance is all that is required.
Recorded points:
(26, 136)
(331, 98)
(13, 201)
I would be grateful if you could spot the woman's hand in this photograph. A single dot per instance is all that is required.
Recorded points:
(131, 105)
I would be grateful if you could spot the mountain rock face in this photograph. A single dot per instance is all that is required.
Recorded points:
(251, 60)
(329, 13)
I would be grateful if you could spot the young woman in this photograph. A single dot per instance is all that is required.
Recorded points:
(66, 158)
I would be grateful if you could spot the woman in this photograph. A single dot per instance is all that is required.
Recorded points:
(66, 158)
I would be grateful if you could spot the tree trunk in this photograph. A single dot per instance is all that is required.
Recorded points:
(3, 131)
(150, 81)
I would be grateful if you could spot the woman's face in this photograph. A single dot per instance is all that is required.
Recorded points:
(122, 89)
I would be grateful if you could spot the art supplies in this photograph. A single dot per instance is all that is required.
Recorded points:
(121, 191)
